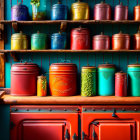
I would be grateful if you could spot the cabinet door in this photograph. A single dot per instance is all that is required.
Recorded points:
(110, 124)
(43, 123)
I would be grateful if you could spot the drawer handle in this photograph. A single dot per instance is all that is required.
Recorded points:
(94, 134)
(74, 136)
(114, 113)
(83, 135)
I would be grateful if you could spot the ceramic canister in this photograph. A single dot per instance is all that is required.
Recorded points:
(106, 79)
(120, 41)
(63, 79)
(101, 42)
(19, 12)
(134, 79)
(102, 11)
(24, 79)
(88, 81)
(59, 12)
(19, 41)
(136, 40)
(121, 12)
(80, 11)
(137, 12)
(38, 41)
(120, 84)
(80, 39)
(58, 41)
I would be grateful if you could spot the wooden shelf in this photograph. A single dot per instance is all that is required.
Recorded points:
(75, 100)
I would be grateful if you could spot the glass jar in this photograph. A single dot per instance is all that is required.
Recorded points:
(39, 9)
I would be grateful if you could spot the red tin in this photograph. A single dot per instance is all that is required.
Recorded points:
(120, 84)
(24, 79)
(137, 12)
(136, 40)
(80, 39)
(120, 41)
(63, 79)
(102, 11)
(121, 12)
(101, 42)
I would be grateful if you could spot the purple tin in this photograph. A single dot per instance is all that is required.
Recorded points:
(19, 12)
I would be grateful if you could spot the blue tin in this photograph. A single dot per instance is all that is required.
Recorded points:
(59, 12)
(19, 12)
(58, 41)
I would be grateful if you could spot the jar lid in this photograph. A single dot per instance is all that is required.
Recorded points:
(121, 35)
(121, 6)
(138, 33)
(120, 73)
(80, 30)
(19, 5)
(41, 77)
(101, 36)
(102, 5)
(74, 5)
(137, 7)
(39, 35)
(58, 35)
(19, 36)
(88, 67)
(134, 65)
(59, 5)
(106, 66)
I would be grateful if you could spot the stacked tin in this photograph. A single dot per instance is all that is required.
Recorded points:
(136, 40)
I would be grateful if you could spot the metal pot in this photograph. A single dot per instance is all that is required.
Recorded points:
(19, 12)
(63, 79)
(80, 11)
(24, 79)
(19, 41)
(59, 12)
(137, 12)
(80, 39)
(101, 42)
(136, 40)
(102, 11)
(121, 12)
(120, 41)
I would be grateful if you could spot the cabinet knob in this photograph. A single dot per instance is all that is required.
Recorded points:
(74, 136)
(83, 135)
(66, 135)
(114, 113)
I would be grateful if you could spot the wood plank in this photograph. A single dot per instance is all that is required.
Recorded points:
(2, 70)
(73, 100)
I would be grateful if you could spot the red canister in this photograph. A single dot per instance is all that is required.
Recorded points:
(101, 42)
(24, 79)
(120, 84)
(63, 79)
(102, 11)
(136, 40)
(121, 12)
(80, 39)
(120, 41)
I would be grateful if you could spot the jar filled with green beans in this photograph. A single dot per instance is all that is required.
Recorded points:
(88, 81)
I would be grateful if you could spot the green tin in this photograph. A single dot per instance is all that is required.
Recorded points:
(106, 80)
(38, 41)
(134, 79)
(88, 81)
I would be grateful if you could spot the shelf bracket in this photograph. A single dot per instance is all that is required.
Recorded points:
(14, 56)
(15, 26)
(63, 26)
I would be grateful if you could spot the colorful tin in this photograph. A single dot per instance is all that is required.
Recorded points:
(24, 79)
(134, 79)
(106, 79)
(39, 9)
(41, 86)
(38, 41)
(120, 41)
(102, 11)
(136, 40)
(88, 81)
(121, 12)
(80, 11)
(80, 39)
(101, 42)
(19, 12)
(63, 79)
(59, 12)
(121, 84)
(137, 12)
(58, 41)
(19, 41)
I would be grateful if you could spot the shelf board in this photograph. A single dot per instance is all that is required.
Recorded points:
(72, 22)
(67, 51)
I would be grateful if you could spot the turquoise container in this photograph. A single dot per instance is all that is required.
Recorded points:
(134, 79)
(38, 41)
(106, 80)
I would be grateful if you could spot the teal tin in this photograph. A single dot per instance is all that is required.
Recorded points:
(88, 81)
(106, 79)
(38, 41)
(134, 79)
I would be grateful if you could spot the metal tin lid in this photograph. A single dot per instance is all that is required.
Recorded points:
(20, 6)
(101, 36)
(59, 35)
(137, 7)
(102, 5)
(121, 6)
(80, 31)
(134, 65)
(88, 69)
(106, 66)
(120, 73)
(59, 6)
(121, 35)
(19, 36)
(41, 77)
(138, 33)
(83, 4)
(39, 35)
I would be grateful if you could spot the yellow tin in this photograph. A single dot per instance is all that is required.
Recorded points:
(19, 41)
(41, 86)
(80, 11)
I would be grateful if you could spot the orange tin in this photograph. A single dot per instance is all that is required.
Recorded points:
(63, 79)
(137, 12)
(136, 40)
